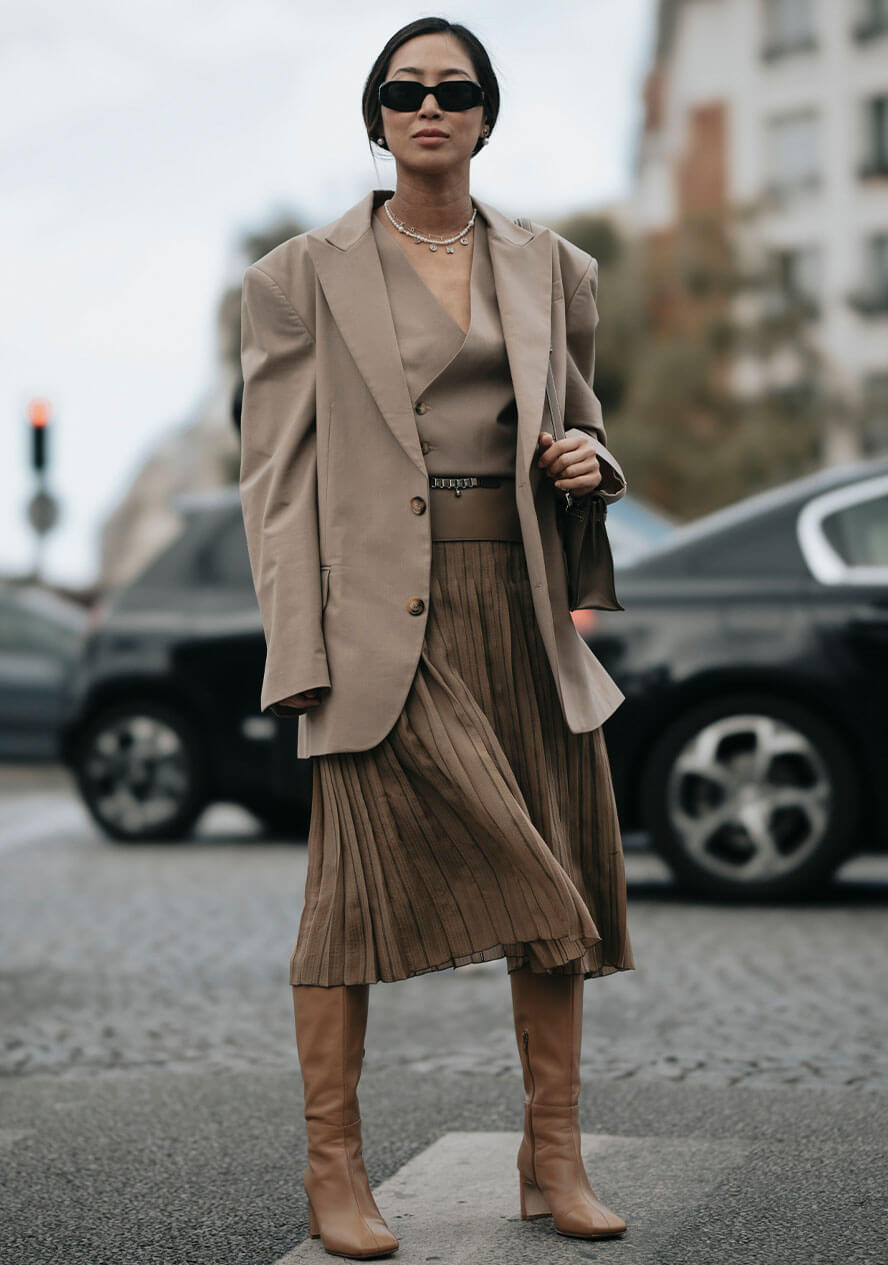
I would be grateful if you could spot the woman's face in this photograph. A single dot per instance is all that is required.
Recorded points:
(429, 59)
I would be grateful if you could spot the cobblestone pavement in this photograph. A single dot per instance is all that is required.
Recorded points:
(118, 957)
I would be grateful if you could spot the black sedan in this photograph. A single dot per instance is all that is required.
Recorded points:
(753, 652)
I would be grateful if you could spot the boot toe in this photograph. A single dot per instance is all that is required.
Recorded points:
(363, 1245)
(589, 1221)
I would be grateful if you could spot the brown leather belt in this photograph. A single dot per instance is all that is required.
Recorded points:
(473, 507)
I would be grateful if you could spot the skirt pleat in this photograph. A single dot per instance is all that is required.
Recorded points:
(480, 827)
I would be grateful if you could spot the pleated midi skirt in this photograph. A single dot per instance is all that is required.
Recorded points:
(480, 827)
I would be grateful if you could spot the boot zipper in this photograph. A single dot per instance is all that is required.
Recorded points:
(525, 1038)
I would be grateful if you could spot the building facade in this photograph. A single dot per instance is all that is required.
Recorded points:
(783, 105)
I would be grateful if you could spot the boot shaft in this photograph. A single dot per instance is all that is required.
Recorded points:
(331, 1024)
(548, 1017)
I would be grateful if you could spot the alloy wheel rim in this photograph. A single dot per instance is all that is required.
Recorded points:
(137, 773)
(749, 798)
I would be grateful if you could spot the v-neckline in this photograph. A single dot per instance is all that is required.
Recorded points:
(472, 275)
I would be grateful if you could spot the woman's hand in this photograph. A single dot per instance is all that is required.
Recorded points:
(571, 462)
(305, 701)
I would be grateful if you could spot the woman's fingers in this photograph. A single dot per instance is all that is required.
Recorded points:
(557, 454)
(586, 470)
(571, 463)
(304, 701)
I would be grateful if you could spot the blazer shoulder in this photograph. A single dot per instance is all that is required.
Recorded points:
(291, 268)
(570, 262)
(573, 264)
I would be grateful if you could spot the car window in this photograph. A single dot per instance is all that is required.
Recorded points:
(224, 559)
(859, 533)
(23, 632)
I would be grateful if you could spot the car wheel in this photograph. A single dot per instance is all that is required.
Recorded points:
(140, 770)
(751, 796)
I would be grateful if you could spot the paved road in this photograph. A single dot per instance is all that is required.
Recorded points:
(734, 1084)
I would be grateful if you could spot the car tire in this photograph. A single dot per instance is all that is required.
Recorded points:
(154, 794)
(751, 797)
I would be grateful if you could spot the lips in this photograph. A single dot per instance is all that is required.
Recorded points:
(429, 131)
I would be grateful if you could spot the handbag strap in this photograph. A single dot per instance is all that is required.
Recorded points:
(551, 393)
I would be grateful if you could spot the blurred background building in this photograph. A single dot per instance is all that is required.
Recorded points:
(779, 109)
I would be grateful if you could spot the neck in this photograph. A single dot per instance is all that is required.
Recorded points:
(431, 205)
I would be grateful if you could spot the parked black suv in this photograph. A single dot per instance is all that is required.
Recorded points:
(165, 717)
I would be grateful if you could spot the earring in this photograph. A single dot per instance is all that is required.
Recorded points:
(380, 140)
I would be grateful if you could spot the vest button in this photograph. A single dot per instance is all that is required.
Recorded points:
(415, 605)
(417, 504)
(422, 407)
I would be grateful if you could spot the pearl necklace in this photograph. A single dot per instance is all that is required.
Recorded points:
(434, 242)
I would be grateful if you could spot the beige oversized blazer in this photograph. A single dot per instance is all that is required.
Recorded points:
(331, 461)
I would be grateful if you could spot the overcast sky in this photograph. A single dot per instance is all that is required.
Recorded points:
(139, 141)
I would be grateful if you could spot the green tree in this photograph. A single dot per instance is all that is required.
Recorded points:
(689, 320)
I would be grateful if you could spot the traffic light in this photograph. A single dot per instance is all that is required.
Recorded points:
(39, 414)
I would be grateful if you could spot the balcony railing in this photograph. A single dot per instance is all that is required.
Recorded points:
(871, 302)
(873, 169)
(777, 48)
(871, 28)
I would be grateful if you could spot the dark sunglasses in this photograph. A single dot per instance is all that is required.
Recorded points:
(453, 94)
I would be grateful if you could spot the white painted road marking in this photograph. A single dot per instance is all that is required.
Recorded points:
(457, 1202)
(26, 820)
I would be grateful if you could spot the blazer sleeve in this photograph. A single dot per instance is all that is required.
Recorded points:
(278, 488)
(581, 407)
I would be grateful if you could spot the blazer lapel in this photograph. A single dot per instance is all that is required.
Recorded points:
(350, 274)
(522, 270)
(348, 268)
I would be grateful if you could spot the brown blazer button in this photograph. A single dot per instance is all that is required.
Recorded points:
(426, 446)
(417, 504)
(415, 605)
(422, 407)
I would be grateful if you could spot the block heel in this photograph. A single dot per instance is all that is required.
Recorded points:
(533, 1201)
(313, 1228)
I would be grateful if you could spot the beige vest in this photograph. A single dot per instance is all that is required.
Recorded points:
(460, 384)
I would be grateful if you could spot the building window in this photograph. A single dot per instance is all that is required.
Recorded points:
(797, 272)
(789, 27)
(793, 152)
(872, 298)
(875, 138)
(872, 20)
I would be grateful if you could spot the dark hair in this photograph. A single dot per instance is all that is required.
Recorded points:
(427, 26)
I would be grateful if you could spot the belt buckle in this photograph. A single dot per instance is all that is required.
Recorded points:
(455, 482)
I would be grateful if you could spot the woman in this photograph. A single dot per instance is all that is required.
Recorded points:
(400, 507)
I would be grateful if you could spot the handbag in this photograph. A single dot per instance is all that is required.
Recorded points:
(582, 527)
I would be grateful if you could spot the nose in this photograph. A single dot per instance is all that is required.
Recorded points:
(424, 109)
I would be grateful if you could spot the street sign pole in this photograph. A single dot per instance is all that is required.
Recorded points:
(43, 508)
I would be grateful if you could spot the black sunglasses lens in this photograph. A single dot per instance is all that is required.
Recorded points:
(458, 95)
(407, 94)
(401, 94)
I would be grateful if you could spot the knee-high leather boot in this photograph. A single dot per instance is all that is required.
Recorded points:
(548, 1011)
(330, 1028)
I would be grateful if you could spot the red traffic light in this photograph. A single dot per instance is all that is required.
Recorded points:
(39, 412)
